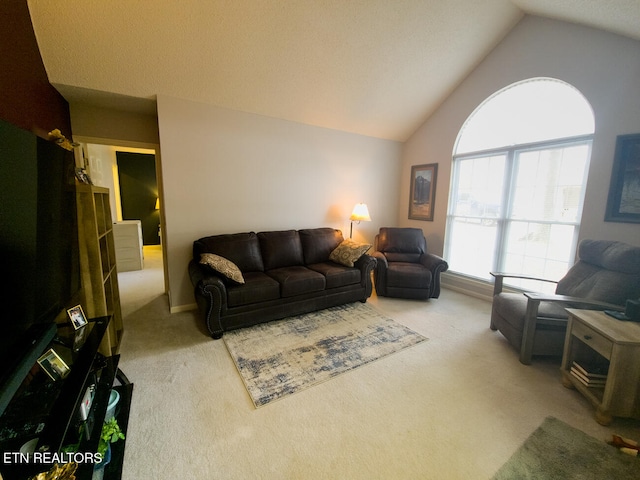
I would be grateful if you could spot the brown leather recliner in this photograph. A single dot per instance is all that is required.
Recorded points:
(605, 276)
(405, 269)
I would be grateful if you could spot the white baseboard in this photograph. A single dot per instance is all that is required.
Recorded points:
(473, 287)
(184, 308)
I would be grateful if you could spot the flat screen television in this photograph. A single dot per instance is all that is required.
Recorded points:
(38, 249)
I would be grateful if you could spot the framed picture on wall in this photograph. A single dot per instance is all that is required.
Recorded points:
(422, 191)
(623, 203)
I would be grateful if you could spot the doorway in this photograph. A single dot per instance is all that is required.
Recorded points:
(139, 193)
(101, 161)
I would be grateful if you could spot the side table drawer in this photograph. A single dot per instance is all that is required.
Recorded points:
(593, 339)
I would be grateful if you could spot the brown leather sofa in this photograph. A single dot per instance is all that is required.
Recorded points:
(405, 269)
(285, 273)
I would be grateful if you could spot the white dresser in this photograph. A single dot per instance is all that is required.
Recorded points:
(127, 236)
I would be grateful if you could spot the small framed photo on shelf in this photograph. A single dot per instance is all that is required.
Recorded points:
(51, 363)
(78, 319)
(83, 176)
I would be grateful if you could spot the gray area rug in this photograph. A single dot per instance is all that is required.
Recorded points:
(558, 451)
(279, 358)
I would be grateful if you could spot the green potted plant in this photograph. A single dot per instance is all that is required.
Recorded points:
(111, 433)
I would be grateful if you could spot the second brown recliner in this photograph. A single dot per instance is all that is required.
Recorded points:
(606, 274)
(405, 269)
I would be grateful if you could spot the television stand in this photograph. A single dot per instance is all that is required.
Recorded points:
(60, 423)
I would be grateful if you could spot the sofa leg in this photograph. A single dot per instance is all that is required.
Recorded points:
(217, 335)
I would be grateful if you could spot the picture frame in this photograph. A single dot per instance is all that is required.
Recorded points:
(77, 317)
(53, 365)
(623, 202)
(423, 191)
(83, 176)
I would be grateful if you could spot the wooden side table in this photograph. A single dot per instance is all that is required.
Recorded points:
(594, 337)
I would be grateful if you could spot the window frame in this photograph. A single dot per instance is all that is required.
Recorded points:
(510, 154)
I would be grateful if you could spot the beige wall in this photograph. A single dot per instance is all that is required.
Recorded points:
(98, 122)
(226, 171)
(603, 66)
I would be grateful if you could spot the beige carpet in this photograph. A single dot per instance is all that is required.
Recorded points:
(309, 349)
(456, 407)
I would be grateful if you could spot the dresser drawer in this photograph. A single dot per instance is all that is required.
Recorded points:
(592, 338)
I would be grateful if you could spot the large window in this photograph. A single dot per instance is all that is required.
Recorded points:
(519, 176)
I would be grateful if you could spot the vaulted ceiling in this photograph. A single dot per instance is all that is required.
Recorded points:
(373, 67)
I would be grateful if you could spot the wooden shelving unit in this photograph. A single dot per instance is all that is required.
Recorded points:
(98, 263)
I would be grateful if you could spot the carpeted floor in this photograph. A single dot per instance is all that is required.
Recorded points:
(309, 349)
(557, 450)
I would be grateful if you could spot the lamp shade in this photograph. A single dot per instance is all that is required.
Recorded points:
(158, 203)
(360, 213)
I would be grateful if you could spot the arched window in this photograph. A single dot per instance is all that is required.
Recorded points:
(518, 181)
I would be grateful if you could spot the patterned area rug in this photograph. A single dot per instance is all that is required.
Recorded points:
(279, 358)
(557, 450)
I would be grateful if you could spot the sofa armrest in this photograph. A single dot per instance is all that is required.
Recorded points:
(211, 296)
(366, 264)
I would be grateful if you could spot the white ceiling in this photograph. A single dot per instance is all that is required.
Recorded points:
(374, 67)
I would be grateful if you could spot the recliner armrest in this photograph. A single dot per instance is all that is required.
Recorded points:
(531, 316)
(436, 265)
(432, 262)
(576, 302)
(500, 276)
(381, 259)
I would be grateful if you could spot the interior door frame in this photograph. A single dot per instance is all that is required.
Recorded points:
(147, 146)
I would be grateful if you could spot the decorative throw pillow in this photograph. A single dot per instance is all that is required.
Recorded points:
(348, 252)
(223, 266)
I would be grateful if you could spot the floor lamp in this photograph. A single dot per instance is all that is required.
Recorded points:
(360, 214)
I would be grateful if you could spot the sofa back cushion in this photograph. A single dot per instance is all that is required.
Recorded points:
(243, 249)
(607, 271)
(318, 243)
(280, 249)
(401, 244)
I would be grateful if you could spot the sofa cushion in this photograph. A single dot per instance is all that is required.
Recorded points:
(243, 249)
(223, 266)
(318, 243)
(336, 275)
(297, 280)
(280, 249)
(258, 287)
(348, 252)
